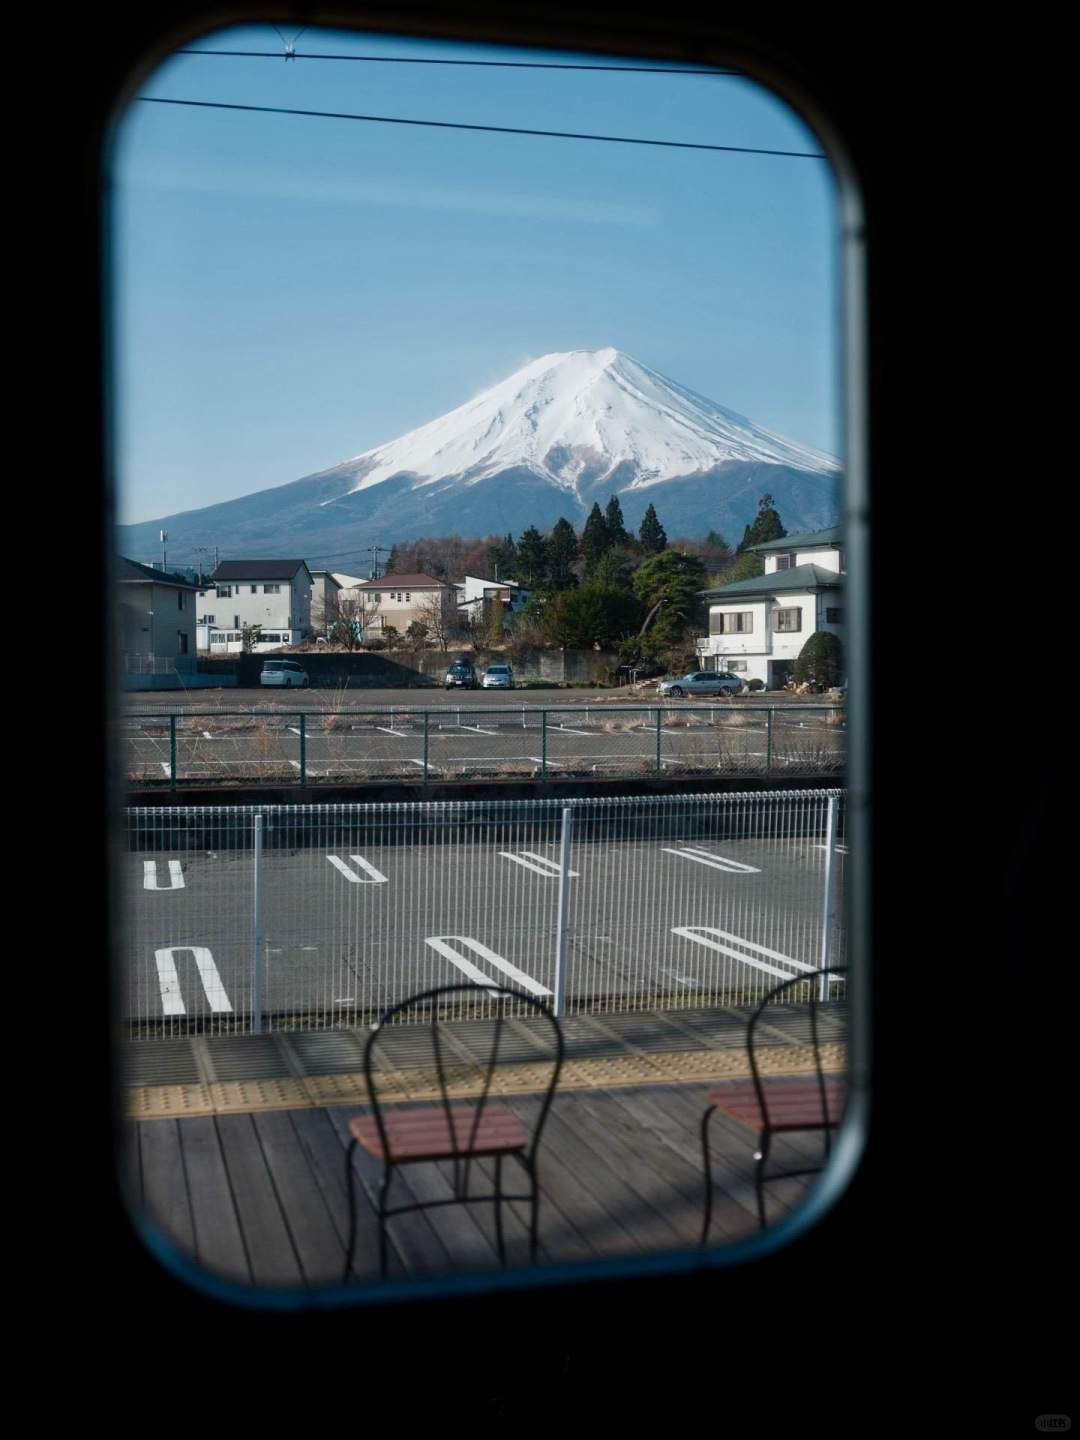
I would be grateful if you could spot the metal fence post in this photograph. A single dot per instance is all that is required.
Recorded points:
(827, 912)
(427, 718)
(564, 910)
(543, 744)
(303, 749)
(259, 948)
(172, 752)
(768, 740)
(658, 740)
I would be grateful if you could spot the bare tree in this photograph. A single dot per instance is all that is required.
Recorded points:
(439, 614)
(344, 616)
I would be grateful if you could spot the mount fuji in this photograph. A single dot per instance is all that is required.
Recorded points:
(559, 434)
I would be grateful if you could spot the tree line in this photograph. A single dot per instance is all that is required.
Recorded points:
(605, 587)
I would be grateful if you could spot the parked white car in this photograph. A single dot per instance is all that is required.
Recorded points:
(498, 677)
(283, 672)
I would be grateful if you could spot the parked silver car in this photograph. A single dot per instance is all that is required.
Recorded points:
(498, 677)
(701, 682)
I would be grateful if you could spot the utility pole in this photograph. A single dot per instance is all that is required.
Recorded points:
(375, 550)
(164, 534)
(205, 550)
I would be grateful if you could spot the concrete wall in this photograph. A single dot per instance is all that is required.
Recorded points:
(422, 669)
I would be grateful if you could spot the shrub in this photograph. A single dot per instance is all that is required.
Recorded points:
(820, 661)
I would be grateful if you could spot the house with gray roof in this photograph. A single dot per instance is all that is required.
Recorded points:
(156, 615)
(757, 627)
(273, 595)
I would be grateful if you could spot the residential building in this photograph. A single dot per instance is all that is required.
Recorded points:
(758, 627)
(325, 588)
(274, 595)
(157, 627)
(399, 600)
(476, 595)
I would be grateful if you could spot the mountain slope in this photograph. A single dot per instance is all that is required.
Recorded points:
(562, 432)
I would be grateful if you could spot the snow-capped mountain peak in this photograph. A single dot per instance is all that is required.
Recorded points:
(573, 419)
(564, 432)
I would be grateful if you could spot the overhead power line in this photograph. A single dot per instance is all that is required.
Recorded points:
(488, 64)
(488, 129)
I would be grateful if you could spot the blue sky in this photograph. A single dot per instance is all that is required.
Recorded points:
(292, 291)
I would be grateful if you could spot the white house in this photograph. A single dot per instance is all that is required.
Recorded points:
(757, 627)
(157, 627)
(475, 591)
(272, 594)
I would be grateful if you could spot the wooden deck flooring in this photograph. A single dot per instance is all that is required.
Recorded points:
(260, 1197)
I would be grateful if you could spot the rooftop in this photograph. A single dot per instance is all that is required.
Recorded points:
(802, 577)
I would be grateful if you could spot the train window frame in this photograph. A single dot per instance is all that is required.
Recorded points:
(700, 43)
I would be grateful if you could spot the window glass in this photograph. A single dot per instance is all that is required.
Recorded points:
(405, 307)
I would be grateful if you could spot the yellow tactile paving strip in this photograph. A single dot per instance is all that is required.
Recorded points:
(634, 1067)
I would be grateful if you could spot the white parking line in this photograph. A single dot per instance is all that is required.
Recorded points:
(679, 979)
(842, 849)
(566, 730)
(469, 970)
(172, 1002)
(166, 767)
(552, 764)
(698, 934)
(714, 862)
(176, 876)
(478, 729)
(550, 868)
(378, 878)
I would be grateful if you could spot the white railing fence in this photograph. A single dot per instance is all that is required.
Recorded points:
(242, 919)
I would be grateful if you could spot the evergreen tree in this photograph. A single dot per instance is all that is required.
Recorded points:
(668, 585)
(766, 526)
(563, 550)
(595, 540)
(532, 557)
(746, 567)
(616, 567)
(502, 559)
(652, 535)
(600, 615)
(613, 519)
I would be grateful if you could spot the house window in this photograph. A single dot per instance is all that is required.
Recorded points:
(785, 562)
(254, 589)
(236, 622)
(834, 615)
(180, 598)
(271, 589)
(181, 642)
(737, 667)
(408, 596)
(739, 622)
(207, 620)
(224, 592)
(376, 597)
(788, 620)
